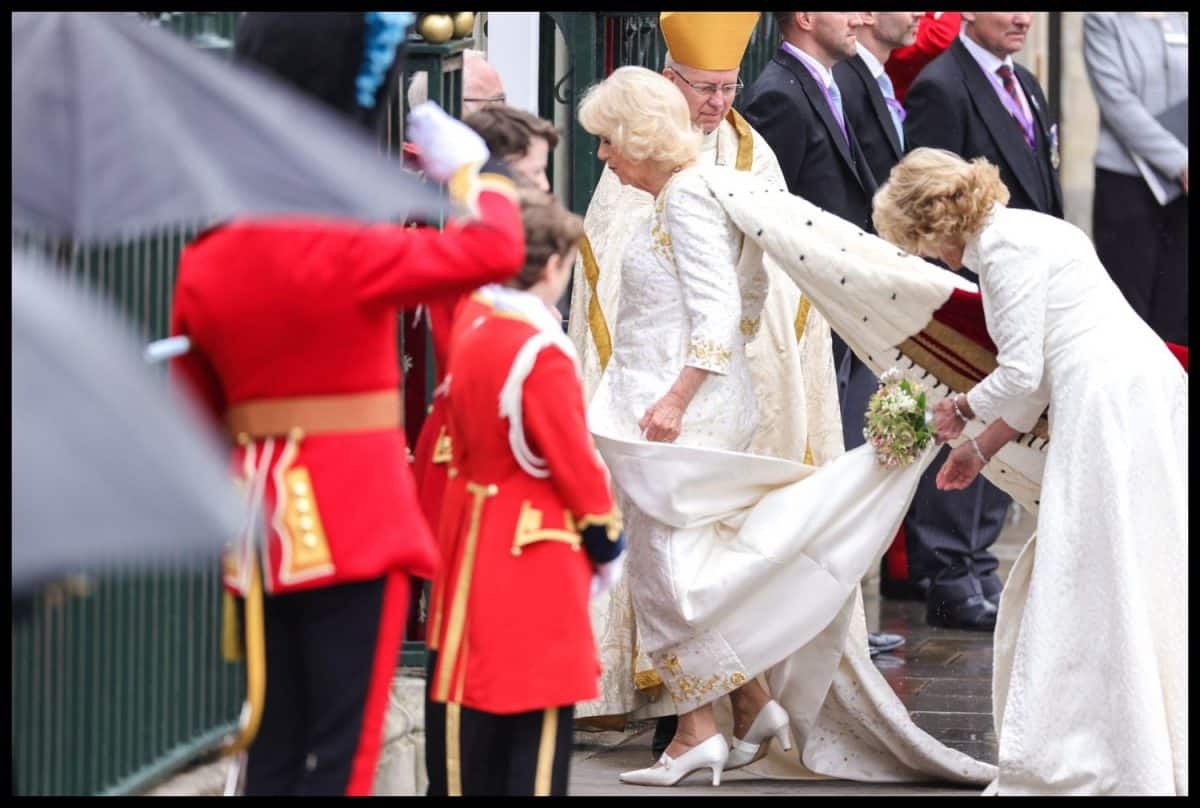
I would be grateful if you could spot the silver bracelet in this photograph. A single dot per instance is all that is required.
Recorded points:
(978, 451)
(957, 411)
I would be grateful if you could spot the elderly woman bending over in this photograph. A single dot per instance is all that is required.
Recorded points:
(678, 373)
(1110, 571)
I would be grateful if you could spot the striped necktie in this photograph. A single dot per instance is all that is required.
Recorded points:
(1010, 86)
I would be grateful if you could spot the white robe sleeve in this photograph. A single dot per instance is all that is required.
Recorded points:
(704, 245)
(1013, 286)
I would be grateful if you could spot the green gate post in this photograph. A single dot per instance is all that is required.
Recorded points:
(584, 41)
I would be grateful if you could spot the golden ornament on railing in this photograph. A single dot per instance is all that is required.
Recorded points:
(464, 23)
(436, 28)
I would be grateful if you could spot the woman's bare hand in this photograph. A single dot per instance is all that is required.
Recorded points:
(960, 469)
(663, 419)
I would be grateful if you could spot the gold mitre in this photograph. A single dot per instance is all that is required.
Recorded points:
(708, 40)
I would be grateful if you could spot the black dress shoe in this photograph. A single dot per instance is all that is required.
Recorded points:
(911, 589)
(976, 613)
(664, 731)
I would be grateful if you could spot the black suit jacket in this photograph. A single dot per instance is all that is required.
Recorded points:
(867, 113)
(788, 108)
(952, 105)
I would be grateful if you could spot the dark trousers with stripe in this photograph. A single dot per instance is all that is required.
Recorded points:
(949, 535)
(331, 653)
(475, 753)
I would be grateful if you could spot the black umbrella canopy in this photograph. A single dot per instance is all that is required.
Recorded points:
(110, 468)
(120, 128)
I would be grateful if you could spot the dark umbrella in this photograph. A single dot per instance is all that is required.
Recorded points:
(119, 127)
(109, 467)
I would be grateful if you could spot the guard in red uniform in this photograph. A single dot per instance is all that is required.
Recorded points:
(293, 323)
(528, 522)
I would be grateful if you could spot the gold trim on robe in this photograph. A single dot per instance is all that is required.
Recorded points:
(448, 657)
(612, 521)
(596, 323)
(529, 530)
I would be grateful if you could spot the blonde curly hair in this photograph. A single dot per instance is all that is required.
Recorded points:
(934, 198)
(643, 115)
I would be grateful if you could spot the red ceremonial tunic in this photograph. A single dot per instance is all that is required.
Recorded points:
(509, 610)
(280, 309)
(935, 32)
(431, 455)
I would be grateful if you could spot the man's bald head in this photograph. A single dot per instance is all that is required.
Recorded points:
(481, 84)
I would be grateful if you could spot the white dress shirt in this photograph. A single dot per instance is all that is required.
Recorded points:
(988, 62)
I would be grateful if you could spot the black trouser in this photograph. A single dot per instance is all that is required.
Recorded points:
(948, 534)
(322, 679)
(1144, 246)
(474, 753)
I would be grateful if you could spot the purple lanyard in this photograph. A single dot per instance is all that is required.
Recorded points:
(1012, 106)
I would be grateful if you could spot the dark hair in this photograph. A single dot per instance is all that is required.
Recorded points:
(507, 131)
(782, 20)
(550, 229)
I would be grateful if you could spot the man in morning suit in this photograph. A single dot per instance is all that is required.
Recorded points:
(868, 97)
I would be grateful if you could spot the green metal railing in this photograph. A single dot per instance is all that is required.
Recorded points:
(119, 679)
(120, 682)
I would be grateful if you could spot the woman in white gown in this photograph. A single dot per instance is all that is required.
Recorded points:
(1090, 672)
(678, 371)
(754, 568)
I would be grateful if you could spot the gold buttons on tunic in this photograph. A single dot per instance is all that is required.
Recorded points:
(309, 539)
(299, 488)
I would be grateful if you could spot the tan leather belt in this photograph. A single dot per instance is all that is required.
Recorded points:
(314, 415)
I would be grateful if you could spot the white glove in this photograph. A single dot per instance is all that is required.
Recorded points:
(608, 575)
(445, 144)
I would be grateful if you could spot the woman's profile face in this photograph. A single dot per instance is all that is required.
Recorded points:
(608, 153)
(629, 172)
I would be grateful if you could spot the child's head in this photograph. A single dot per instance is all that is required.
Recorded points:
(518, 138)
(552, 236)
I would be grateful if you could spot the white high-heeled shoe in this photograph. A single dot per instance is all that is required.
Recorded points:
(771, 722)
(710, 753)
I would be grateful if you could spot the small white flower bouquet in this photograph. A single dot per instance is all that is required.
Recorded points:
(897, 424)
